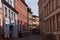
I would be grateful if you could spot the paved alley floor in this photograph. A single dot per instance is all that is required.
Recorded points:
(32, 37)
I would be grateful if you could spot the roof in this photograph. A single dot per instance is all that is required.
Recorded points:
(8, 5)
(24, 3)
(29, 10)
(34, 16)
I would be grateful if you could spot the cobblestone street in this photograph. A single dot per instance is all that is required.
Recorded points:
(32, 37)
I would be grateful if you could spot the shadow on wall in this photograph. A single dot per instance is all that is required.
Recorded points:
(1, 33)
(51, 37)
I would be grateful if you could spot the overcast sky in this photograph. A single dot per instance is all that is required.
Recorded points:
(33, 4)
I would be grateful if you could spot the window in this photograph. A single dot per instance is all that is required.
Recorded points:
(15, 16)
(50, 6)
(58, 22)
(54, 28)
(58, 3)
(5, 12)
(12, 16)
(9, 13)
(10, 2)
(49, 25)
(54, 4)
(46, 26)
(46, 10)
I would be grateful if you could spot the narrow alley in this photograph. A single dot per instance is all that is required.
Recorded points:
(32, 37)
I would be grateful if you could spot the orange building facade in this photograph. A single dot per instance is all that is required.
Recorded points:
(21, 7)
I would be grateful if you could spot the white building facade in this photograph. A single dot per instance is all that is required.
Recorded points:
(9, 18)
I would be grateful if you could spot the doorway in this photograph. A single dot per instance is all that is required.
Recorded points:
(11, 30)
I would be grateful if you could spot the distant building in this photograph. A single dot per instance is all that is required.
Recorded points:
(21, 7)
(49, 15)
(35, 21)
(8, 18)
(29, 17)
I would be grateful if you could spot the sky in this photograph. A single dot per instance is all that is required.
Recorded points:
(33, 4)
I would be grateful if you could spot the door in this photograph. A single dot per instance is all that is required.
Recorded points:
(11, 30)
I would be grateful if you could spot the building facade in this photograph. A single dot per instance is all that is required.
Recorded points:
(35, 21)
(1, 19)
(8, 18)
(21, 7)
(49, 17)
(29, 20)
(29, 17)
